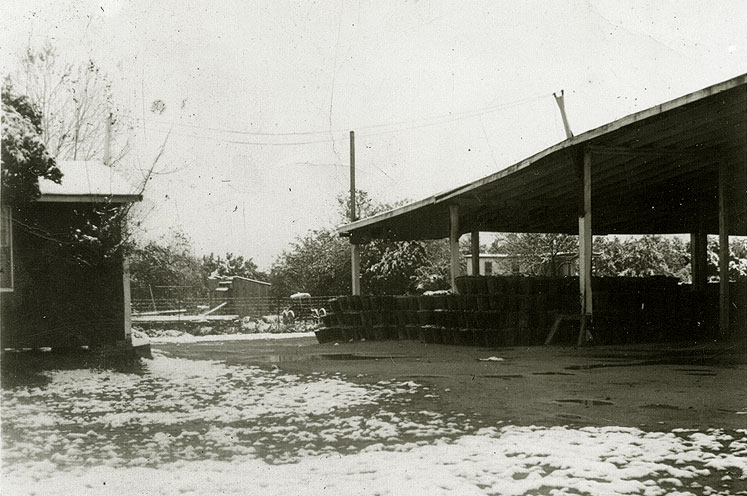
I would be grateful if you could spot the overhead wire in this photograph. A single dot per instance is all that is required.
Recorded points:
(379, 129)
(330, 135)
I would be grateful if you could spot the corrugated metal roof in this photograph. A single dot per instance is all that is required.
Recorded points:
(88, 181)
(655, 171)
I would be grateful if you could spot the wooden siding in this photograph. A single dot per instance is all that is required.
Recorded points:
(58, 301)
(245, 292)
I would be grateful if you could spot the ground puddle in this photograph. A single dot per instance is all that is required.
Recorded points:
(585, 402)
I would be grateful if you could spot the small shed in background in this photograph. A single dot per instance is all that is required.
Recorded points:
(494, 264)
(244, 296)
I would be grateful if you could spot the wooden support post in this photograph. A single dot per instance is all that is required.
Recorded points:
(699, 258)
(584, 254)
(475, 248)
(723, 251)
(454, 244)
(736, 157)
(127, 301)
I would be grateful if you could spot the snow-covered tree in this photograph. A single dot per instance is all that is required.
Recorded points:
(650, 255)
(737, 259)
(167, 262)
(231, 265)
(24, 155)
(319, 262)
(538, 252)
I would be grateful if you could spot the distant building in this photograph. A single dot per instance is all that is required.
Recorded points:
(244, 296)
(495, 264)
(566, 264)
(500, 264)
(48, 297)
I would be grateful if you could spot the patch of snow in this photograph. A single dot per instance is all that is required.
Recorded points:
(139, 338)
(510, 461)
(189, 338)
(204, 427)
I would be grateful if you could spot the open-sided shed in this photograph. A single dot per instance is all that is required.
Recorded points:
(679, 167)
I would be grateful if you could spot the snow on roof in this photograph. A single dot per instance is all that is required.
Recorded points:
(490, 255)
(88, 181)
(251, 280)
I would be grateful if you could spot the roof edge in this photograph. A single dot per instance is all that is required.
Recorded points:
(601, 130)
(59, 198)
(568, 143)
(346, 228)
(252, 280)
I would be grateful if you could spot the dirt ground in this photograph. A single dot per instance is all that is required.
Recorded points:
(652, 387)
(281, 414)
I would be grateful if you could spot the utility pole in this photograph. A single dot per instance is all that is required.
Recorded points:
(352, 176)
(108, 140)
(355, 254)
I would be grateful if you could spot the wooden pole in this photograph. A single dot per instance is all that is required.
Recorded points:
(127, 301)
(352, 176)
(736, 157)
(560, 100)
(584, 254)
(108, 140)
(475, 252)
(152, 299)
(723, 249)
(454, 244)
(355, 254)
(699, 257)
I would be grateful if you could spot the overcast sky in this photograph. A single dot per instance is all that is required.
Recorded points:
(260, 96)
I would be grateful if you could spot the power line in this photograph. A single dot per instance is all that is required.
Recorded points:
(417, 124)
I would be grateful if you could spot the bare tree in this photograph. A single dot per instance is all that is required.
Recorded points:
(74, 101)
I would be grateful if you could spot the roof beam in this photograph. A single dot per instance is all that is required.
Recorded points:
(626, 151)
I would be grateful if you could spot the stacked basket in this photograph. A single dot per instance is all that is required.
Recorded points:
(506, 310)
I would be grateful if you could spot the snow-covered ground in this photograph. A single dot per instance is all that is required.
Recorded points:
(183, 337)
(199, 427)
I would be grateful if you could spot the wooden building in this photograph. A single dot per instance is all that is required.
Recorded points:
(492, 264)
(53, 295)
(500, 264)
(244, 296)
(676, 168)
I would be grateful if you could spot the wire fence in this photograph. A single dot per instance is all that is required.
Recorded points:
(254, 306)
